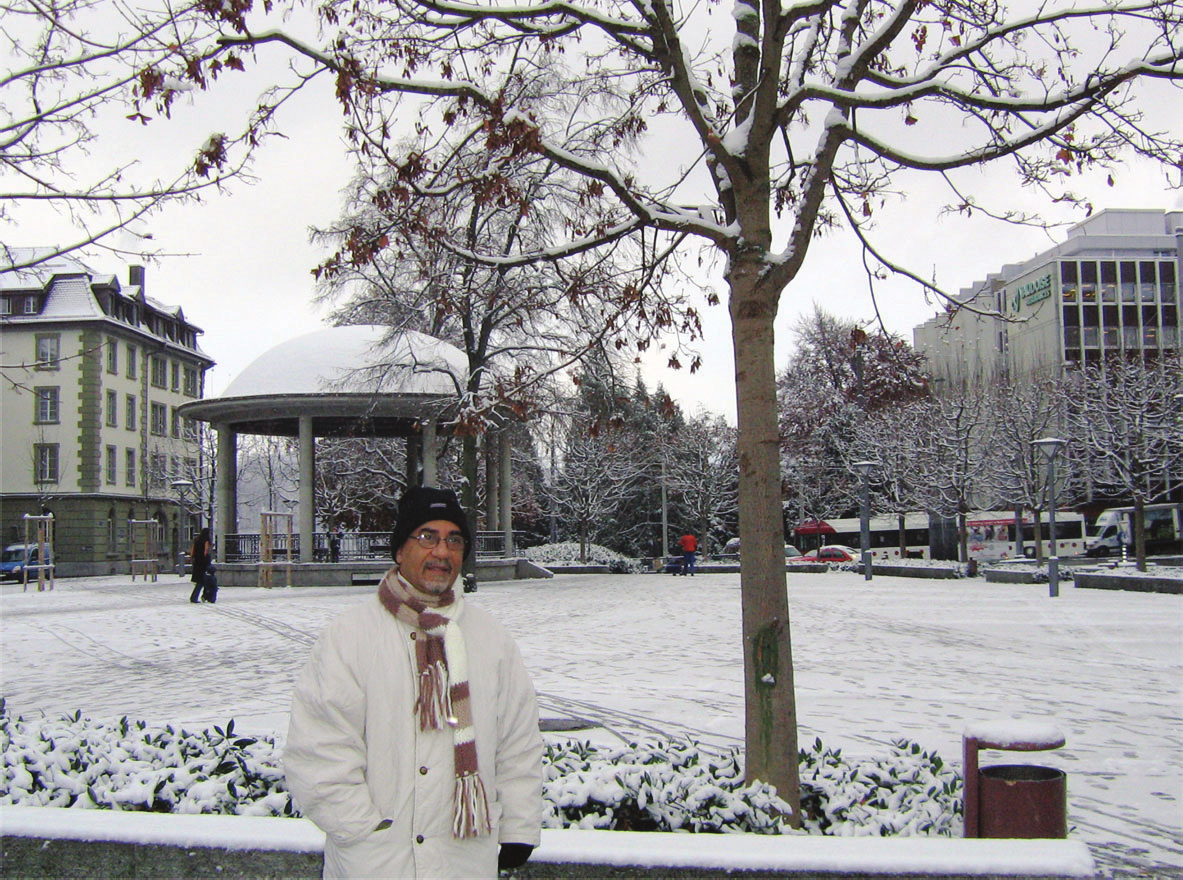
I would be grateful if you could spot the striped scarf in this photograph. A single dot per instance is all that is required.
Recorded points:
(444, 699)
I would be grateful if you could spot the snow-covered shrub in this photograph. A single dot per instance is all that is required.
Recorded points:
(567, 553)
(655, 786)
(910, 792)
(74, 761)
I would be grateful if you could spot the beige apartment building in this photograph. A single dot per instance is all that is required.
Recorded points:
(94, 372)
(1111, 287)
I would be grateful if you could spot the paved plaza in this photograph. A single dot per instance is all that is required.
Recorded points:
(635, 655)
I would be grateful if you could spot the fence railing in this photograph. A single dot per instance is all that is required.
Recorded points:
(351, 547)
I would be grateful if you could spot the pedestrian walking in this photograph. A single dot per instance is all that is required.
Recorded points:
(413, 738)
(199, 554)
(689, 545)
(335, 544)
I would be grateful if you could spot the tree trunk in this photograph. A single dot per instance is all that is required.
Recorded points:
(771, 717)
(1038, 535)
(1020, 543)
(468, 467)
(903, 537)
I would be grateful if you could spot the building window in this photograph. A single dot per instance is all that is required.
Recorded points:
(49, 347)
(45, 456)
(190, 382)
(112, 409)
(176, 377)
(129, 466)
(1069, 286)
(129, 420)
(1108, 281)
(158, 470)
(175, 423)
(189, 429)
(1088, 282)
(1166, 282)
(5, 305)
(131, 361)
(159, 415)
(112, 357)
(159, 372)
(30, 305)
(112, 460)
(48, 410)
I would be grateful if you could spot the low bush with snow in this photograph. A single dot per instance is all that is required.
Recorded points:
(74, 761)
(567, 553)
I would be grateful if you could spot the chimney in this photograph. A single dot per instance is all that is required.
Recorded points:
(135, 276)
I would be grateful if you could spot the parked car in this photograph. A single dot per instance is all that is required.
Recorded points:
(16, 557)
(829, 553)
(731, 548)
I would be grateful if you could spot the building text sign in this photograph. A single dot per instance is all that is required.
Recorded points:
(1032, 292)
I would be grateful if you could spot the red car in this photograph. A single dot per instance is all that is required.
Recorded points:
(829, 553)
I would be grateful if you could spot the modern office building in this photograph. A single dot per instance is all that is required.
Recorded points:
(94, 372)
(1112, 287)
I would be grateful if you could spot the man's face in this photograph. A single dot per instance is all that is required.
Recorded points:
(432, 570)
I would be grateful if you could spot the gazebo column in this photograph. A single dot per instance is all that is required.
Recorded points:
(492, 484)
(414, 454)
(430, 477)
(226, 489)
(506, 493)
(307, 515)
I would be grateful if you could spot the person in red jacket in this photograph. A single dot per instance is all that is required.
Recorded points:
(689, 545)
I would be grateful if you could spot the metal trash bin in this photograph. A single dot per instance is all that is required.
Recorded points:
(1014, 800)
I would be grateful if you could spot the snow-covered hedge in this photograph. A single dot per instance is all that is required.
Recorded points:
(74, 761)
(567, 553)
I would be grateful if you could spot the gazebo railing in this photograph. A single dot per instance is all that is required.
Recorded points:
(355, 547)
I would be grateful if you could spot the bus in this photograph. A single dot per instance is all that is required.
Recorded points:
(992, 535)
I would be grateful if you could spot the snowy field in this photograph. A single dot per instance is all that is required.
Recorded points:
(652, 654)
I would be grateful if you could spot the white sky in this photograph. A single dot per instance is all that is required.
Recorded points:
(245, 274)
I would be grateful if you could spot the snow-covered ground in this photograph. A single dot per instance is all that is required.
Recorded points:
(638, 654)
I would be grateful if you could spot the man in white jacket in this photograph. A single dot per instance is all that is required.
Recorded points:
(414, 740)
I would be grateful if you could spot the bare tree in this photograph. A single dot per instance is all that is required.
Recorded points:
(1022, 413)
(1126, 418)
(800, 116)
(75, 67)
(895, 437)
(956, 459)
(597, 473)
(704, 470)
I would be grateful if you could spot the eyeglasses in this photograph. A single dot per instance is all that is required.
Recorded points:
(428, 540)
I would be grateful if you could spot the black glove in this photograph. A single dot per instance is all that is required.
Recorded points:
(513, 855)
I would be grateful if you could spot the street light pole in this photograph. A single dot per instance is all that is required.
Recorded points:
(865, 468)
(1050, 447)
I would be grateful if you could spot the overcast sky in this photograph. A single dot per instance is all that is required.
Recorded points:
(242, 260)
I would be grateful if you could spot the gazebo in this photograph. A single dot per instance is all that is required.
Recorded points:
(340, 381)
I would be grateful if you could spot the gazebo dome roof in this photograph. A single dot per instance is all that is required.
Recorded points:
(353, 359)
(347, 379)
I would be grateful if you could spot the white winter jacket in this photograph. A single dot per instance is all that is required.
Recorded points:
(355, 755)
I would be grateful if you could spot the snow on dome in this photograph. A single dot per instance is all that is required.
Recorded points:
(353, 359)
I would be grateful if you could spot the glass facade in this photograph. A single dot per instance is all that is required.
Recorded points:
(1117, 306)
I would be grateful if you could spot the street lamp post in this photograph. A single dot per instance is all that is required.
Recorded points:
(865, 468)
(1050, 447)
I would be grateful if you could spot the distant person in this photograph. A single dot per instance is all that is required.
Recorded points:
(199, 553)
(689, 545)
(335, 544)
(413, 738)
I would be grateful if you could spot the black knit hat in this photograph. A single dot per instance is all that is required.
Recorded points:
(422, 504)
